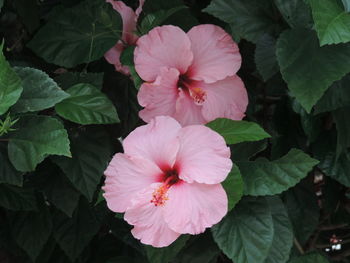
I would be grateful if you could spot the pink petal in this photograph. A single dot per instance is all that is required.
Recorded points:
(203, 155)
(215, 54)
(166, 46)
(113, 57)
(187, 112)
(129, 21)
(226, 98)
(156, 141)
(139, 8)
(159, 98)
(191, 208)
(125, 177)
(148, 219)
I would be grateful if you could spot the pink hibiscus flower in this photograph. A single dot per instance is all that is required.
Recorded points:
(168, 180)
(190, 77)
(129, 18)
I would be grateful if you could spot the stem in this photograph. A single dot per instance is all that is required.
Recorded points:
(299, 247)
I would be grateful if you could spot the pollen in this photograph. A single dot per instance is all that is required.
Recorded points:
(159, 196)
(198, 95)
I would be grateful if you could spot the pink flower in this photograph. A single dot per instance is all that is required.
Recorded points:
(190, 77)
(129, 18)
(168, 180)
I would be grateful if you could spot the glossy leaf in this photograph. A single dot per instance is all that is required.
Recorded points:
(265, 57)
(233, 186)
(296, 12)
(35, 138)
(8, 174)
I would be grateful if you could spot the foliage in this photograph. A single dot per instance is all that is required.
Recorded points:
(64, 111)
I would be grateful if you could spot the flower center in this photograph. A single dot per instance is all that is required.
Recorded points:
(159, 196)
(192, 89)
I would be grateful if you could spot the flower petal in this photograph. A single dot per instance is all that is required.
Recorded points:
(156, 141)
(226, 98)
(125, 177)
(166, 46)
(148, 219)
(191, 208)
(203, 155)
(139, 8)
(129, 21)
(187, 112)
(159, 98)
(113, 57)
(215, 54)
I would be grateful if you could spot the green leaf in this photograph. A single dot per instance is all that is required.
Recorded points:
(8, 174)
(166, 254)
(245, 150)
(238, 131)
(245, 235)
(10, 84)
(17, 198)
(35, 138)
(296, 12)
(309, 258)
(337, 96)
(265, 57)
(342, 121)
(1, 3)
(233, 186)
(251, 19)
(127, 59)
(303, 210)
(309, 76)
(39, 91)
(69, 79)
(346, 4)
(74, 234)
(31, 230)
(337, 168)
(283, 232)
(79, 34)
(157, 18)
(91, 152)
(87, 105)
(331, 21)
(262, 177)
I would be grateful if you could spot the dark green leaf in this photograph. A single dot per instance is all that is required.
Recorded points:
(342, 121)
(309, 76)
(69, 79)
(245, 150)
(233, 186)
(337, 96)
(238, 131)
(296, 12)
(35, 138)
(265, 57)
(10, 84)
(262, 177)
(8, 174)
(309, 258)
(283, 232)
(127, 59)
(17, 198)
(251, 19)
(28, 10)
(31, 230)
(39, 91)
(303, 210)
(80, 34)
(245, 235)
(331, 21)
(166, 254)
(74, 234)
(1, 3)
(87, 105)
(346, 4)
(91, 152)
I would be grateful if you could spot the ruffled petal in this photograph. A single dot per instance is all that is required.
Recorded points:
(156, 141)
(125, 177)
(129, 21)
(226, 98)
(187, 112)
(148, 220)
(166, 46)
(159, 98)
(215, 54)
(113, 57)
(203, 156)
(191, 208)
(139, 8)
